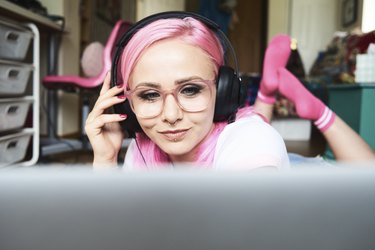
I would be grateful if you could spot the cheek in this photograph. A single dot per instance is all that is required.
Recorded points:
(211, 106)
(205, 118)
(148, 127)
(147, 124)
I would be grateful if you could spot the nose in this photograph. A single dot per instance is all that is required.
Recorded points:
(171, 112)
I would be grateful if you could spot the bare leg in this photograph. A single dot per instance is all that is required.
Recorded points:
(345, 143)
(265, 109)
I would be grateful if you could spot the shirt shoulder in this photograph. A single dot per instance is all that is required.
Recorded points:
(250, 143)
(129, 162)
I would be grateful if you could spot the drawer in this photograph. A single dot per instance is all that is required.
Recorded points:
(13, 147)
(14, 41)
(13, 78)
(13, 113)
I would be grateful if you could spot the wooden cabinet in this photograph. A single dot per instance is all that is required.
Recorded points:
(355, 104)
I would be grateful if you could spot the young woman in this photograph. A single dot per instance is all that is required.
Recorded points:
(345, 143)
(170, 69)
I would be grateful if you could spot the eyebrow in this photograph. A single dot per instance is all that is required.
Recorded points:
(149, 84)
(183, 80)
(177, 82)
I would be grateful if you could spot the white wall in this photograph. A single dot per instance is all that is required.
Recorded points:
(368, 18)
(148, 7)
(69, 56)
(311, 22)
(278, 18)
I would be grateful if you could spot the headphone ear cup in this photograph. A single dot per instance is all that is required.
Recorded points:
(227, 94)
(130, 124)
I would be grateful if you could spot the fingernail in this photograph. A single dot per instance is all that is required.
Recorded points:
(120, 86)
(123, 116)
(121, 96)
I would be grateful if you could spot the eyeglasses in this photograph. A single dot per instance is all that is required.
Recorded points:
(191, 96)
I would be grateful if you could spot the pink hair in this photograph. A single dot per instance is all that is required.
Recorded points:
(192, 32)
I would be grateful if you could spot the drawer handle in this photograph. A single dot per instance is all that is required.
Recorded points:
(12, 36)
(12, 110)
(12, 144)
(13, 74)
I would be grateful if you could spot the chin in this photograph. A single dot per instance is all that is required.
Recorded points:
(177, 149)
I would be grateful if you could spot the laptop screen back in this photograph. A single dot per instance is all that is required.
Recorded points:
(82, 209)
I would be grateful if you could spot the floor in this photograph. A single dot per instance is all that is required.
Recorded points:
(69, 158)
(314, 147)
(81, 157)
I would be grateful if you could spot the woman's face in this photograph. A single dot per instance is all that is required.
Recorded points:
(165, 66)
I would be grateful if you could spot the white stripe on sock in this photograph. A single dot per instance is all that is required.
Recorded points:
(323, 117)
(261, 96)
(326, 121)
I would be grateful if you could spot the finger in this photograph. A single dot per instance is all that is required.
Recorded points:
(114, 91)
(102, 120)
(111, 92)
(106, 84)
(105, 103)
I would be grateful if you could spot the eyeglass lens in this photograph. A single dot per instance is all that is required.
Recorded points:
(191, 97)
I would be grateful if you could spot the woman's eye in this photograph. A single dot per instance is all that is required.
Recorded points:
(191, 90)
(149, 95)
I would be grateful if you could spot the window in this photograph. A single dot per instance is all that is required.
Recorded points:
(368, 17)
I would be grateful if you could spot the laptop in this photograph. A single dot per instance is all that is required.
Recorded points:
(78, 208)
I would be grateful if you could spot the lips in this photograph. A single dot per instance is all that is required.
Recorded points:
(174, 135)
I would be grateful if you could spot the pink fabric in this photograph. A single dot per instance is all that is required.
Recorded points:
(83, 82)
(307, 105)
(92, 59)
(276, 56)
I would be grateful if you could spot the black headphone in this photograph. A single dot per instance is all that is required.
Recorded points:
(228, 81)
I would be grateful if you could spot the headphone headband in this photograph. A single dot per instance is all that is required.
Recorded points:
(227, 83)
(167, 15)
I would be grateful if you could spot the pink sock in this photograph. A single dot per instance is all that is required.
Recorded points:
(307, 105)
(276, 56)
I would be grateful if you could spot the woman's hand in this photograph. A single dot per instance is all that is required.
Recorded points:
(104, 130)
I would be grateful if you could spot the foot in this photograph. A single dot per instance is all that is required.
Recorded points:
(277, 55)
(307, 105)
